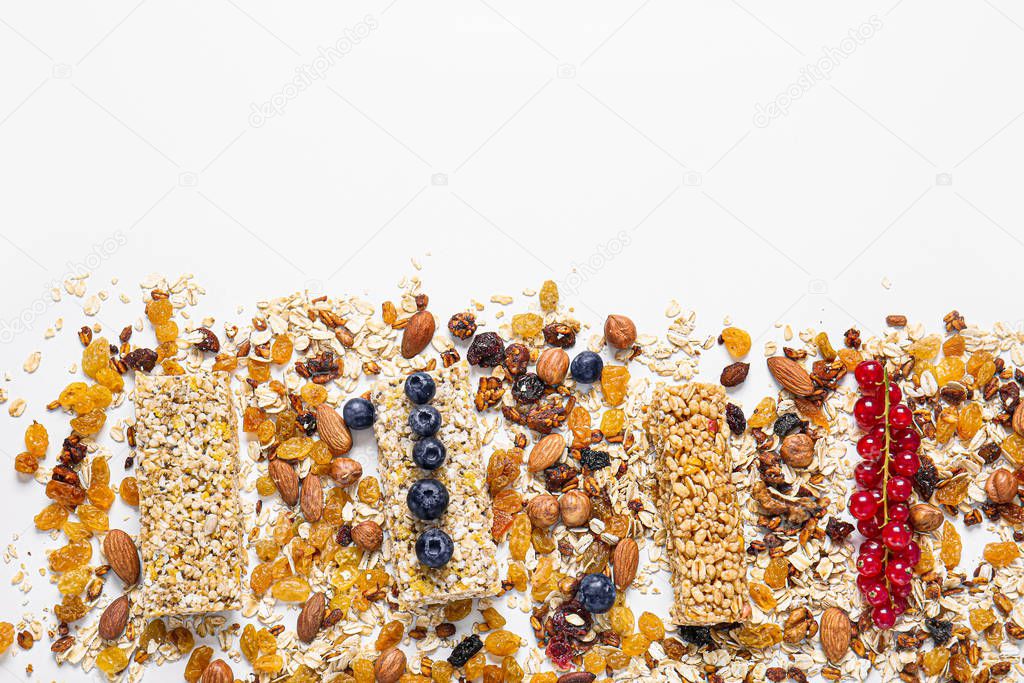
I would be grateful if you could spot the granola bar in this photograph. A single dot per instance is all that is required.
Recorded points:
(472, 571)
(697, 502)
(191, 537)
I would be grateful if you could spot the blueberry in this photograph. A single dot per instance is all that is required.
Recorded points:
(427, 499)
(596, 593)
(434, 548)
(429, 453)
(424, 420)
(358, 413)
(420, 387)
(586, 367)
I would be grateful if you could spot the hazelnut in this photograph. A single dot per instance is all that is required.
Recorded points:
(925, 517)
(1001, 486)
(543, 510)
(619, 331)
(575, 508)
(552, 365)
(367, 535)
(797, 450)
(346, 471)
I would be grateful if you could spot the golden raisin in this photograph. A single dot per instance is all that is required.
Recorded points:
(737, 342)
(390, 635)
(764, 414)
(197, 663)
(1001, 555)
(579, 425)
(951, 546)
(651, 626)
(614, 383)
(51, 517)
(527, 325)
(934, 661)
(635, 644)
(130, 491)
(36, 439)
(969, 421)
(612, 423)
(112, 661)
(281, 349)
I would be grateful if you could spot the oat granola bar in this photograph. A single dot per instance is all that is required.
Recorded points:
(697, 501)
(191, 538)
(472, 571)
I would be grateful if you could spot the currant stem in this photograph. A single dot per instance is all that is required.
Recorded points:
(885, 469)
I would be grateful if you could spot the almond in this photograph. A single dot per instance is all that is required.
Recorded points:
(114, 619)
(546, 452)
(333, 430)
(1018, 419)
(367, 535)
(791, 375)
(122, 556)
(619, 331)
(417, 333)
(552, 366)
(286, 480)
(312, 500)
(836, 631)
(311, 617)
(217, 671)
(390, 666)
(346, 471)
(625, 559)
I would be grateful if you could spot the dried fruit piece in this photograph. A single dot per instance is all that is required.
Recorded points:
(951, 547)
(548, 296)
(763, 597)
(1001, 555)
(764, 414)
(614, 383)
(969, 422)
(934, 661)
(737, 342)
(527, 325)
(112, 661)
(36, 439)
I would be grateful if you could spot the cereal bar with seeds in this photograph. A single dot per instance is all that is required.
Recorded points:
(191, 539)
(472, 571)
(698, 504)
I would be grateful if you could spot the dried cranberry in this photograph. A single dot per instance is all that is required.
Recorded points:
(561, 625)
(560, 652)
(141, 359)
(344, 535)
(517, 359)
(735, 419)
(528, 388)
(487, 350)
(560, 334)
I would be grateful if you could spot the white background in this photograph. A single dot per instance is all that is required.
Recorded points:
(613, 147)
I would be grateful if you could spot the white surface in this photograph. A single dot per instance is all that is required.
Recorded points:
(614, 147)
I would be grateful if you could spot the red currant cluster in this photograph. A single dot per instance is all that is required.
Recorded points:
(889, 462)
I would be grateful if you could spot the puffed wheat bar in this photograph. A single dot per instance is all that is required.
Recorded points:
(697, 502)
(473, 570)
(191, 538)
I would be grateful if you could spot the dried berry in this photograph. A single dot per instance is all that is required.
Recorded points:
(735, 419)
(926, 479)
(697, 635)
(594, 460)
(940, 631)
(308, 423)
(141, 359)
(558, 476)
(208, 341)
(561, 625)
(560, 652)
(528, 388)
(560, 335)
(487, 350)
(462, 325)
(787, 424)
(838, 531)
(517, 359)
(464, 650)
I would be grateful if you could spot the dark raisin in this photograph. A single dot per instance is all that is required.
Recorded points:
(926, 479)
(344, 535)
(462, 325)
(464, 650)
(141, 359)
(308, 423)
(990, 452)
(940, 631)
(560, 335)
(209, 341)
(561, 625)
(487, 350)
(735, 419)
(323, 367)
(594, 460)
(559, 475)
(528, 388)
(517, 359)
(838, 531)
(72, 451)
(787, 424)
(697, 635)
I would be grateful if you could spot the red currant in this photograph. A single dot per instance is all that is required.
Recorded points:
(867, 412)
(869, 565)
(896, 535)
(884, 617)
(906, 440)
(863, 505)
(867, 474)
(869, 373)
(899, 512)
(872, 547)
(899, 489)
(897, 591)
(877, 595)
(898, 573)
(906, 463)
(869, 528)
(900, 416)
(911, 554)
(870, 447)
(899, 605)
